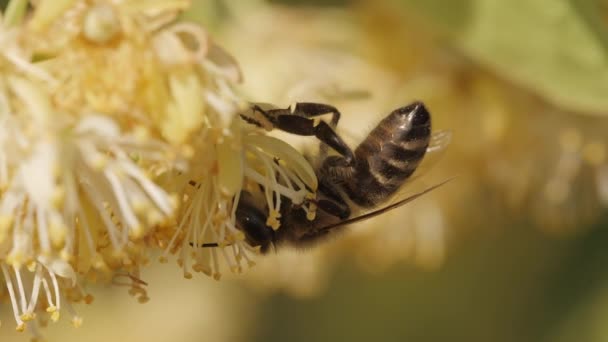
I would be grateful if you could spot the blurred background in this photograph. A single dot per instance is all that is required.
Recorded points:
(514, 249)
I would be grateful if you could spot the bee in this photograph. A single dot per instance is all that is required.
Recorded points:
(349, 181)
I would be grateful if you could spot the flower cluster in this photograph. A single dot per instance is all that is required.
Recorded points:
(117, 137)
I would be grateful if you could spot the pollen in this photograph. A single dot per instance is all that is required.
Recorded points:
(273, 221)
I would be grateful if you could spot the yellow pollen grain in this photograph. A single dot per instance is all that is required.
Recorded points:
(312, 212)
(28, 316)
(55, 315)
(272, 220)
(20, 327)
(31, 266)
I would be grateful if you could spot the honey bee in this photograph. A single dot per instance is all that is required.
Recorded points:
(349, 181)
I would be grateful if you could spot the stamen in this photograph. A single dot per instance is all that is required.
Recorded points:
(110, 227)
(158, 196)
(55, 287)
(216, 267)
(11, 293)
(121, 197)
(35, 289)
(48, 295)
(22, 296)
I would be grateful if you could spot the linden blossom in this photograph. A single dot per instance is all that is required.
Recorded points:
(96, 157)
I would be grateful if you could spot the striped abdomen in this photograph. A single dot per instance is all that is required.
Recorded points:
(390, 154)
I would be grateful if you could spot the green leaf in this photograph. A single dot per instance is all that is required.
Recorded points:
(557, 48)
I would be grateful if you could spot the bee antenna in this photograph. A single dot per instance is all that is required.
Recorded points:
(387, 208)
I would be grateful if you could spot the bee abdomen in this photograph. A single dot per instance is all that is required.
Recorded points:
(390, 154)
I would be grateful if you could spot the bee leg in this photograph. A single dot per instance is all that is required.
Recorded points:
(297, 120)
(311, 109)
(332, 202)
(306, 127)
(334, 208)
(336, 171)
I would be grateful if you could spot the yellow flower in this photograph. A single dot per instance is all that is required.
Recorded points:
(118, 135)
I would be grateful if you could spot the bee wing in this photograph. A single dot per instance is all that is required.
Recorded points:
(434, 152)
(389, 207)
(437, 147)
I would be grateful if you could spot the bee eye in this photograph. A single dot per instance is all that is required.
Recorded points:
(252, 221)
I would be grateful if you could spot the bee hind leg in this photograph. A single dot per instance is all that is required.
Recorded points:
(334, 208)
